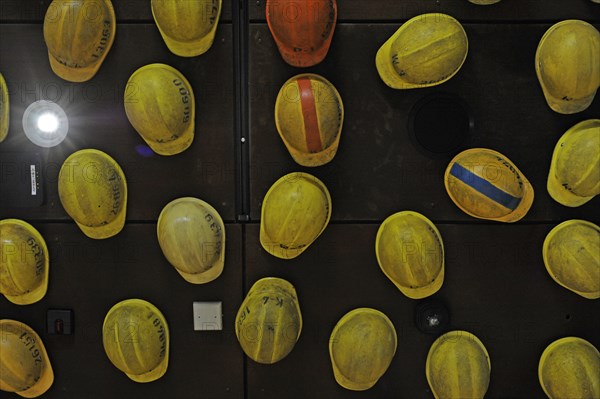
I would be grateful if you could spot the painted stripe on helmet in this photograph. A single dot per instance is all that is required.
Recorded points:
(309, 113)
(484, 187)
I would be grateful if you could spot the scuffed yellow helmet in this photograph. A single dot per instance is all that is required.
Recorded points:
(79, 34)
(135, 336)
(426, 50)
(570, 368)
(269, 322)
(410, 252)
(25, 367)
(191, 235)
(458, 366)
(188, 27)
(571, 254)
(24, 262)
(361, 348)
(567, 64)
(93, 190)
(159, 103)
(295, 211)
(574, 176)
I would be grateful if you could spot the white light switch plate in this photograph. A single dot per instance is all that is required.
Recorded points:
(208, 316)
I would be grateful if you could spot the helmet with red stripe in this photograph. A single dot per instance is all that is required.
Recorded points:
(309, 114)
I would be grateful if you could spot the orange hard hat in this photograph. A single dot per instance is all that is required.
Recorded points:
(302, 30)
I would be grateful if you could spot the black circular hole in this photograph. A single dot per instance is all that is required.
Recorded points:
(568, 317)
(440, 124)
(432, 316)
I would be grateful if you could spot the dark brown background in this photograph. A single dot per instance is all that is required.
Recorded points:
(496, 285)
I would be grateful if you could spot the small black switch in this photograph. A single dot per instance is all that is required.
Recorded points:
(60, 322)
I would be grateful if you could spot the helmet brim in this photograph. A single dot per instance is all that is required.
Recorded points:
(561, 195)
(74, 74)
(278, 250)
(176, 146)
(35, 295)
(191, 48)
(304, 60)
(107, 230)
(428, 290)
(44, 383)
(155, 374)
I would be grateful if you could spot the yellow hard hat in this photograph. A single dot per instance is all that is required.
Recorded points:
(410, 252)
(4, 109)
(159, 103)
(191, 235)
(574, 176)
(426, 50)
(93, 190)
(187, 26)
(567, 63)
(295, 211)
(24, 262)
(79, 35)
(269, 322)
(572, 257)
(309, 114)
(569, 368)
(485, 184)
(135, 335)
(458, 366)
(25, 367)
(361, 347)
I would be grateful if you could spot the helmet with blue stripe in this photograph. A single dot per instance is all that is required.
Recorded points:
(485, 184)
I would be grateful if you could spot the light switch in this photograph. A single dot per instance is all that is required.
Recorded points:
(208, 316)
(60, 321)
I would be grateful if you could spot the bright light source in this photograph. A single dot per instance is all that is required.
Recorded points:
(48, 122)
(45, 123)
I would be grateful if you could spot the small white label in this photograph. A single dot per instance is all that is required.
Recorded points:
(208, 316)
(33, 181)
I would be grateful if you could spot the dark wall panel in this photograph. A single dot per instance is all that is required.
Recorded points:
(377, 169)
(97, 119)
(496, 286)
(90, 276)
(386, 10)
